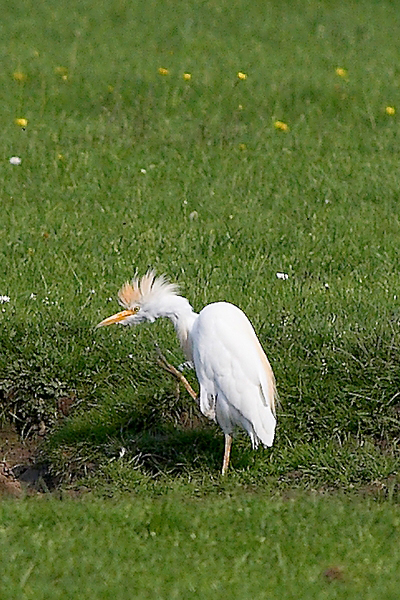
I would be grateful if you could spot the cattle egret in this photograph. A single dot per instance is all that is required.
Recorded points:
(237, 385)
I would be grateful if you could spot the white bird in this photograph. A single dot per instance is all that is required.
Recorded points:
(237, 385)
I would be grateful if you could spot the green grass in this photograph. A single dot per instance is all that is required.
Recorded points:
(225, 202)
(244, 547)
(124, 168)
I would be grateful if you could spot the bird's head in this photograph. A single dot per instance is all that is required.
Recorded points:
(143, 300)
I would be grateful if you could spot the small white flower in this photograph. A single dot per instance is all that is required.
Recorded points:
(122, 452)
(32, 296)
(282, 276)
(15, 160)
(4, 299)
(143, 171)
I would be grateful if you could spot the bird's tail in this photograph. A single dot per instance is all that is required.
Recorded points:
(264, 430)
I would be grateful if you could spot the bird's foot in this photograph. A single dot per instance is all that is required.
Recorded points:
(185, 366)
(162, 361)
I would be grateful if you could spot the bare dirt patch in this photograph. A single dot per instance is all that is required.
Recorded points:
(21, 471)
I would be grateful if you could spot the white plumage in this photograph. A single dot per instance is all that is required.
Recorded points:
(237, 385)
(232, 367)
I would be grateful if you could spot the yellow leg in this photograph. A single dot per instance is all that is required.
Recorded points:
(227, 453)
(162, 361)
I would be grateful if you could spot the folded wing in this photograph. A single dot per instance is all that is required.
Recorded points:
(237, 385)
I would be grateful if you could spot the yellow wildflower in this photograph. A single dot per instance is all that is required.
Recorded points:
(64, 77)
(240, 107)
(187, 76)
(21, 122)
(162, 71)
(18, 76)
(242, 147)
(281, 126)
(390, 110)
(341, 72)
(242, 75)
(60, 70)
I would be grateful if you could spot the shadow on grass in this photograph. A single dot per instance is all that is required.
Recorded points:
(80, 446)
(124, 446)
(174, 450)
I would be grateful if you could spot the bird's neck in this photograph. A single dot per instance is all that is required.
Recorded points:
(182, 315)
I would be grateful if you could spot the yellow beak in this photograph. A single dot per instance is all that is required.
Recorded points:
(117, 318)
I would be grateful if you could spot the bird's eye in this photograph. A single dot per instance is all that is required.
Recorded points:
(136, 309)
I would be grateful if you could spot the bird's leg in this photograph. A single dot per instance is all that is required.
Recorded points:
(227, 453)
(162, 361)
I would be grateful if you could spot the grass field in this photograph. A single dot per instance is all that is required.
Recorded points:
(276, 152)
(248, 547)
